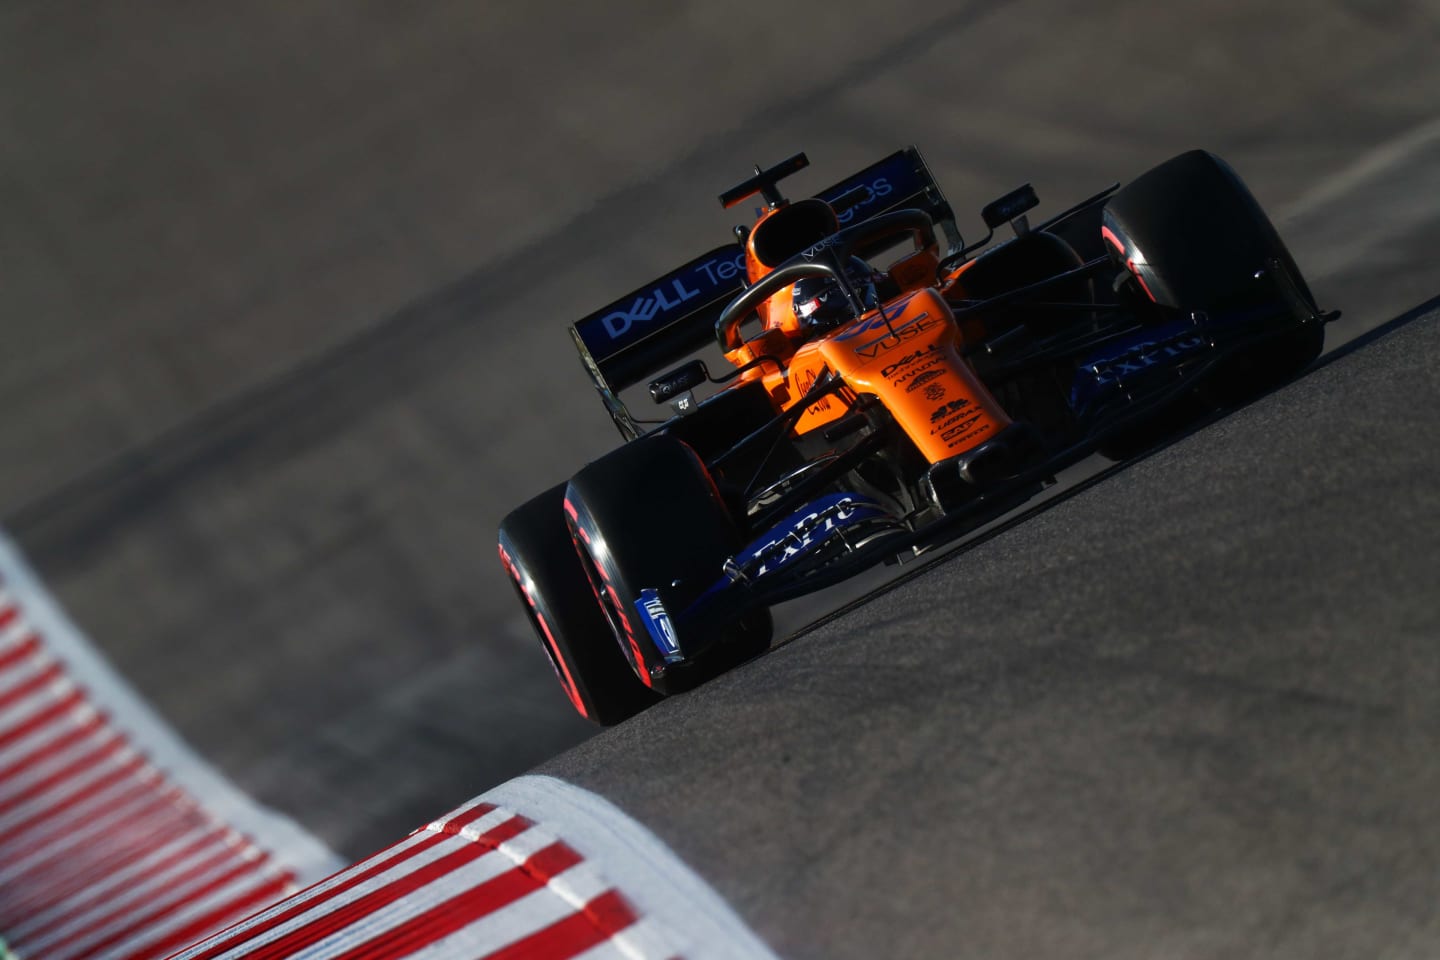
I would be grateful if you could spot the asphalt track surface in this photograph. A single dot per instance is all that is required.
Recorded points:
(283, 315)
(1191, 711)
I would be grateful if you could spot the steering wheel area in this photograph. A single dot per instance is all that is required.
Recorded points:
(823, 260)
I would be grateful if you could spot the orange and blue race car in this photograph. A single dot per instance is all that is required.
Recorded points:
(889, 388)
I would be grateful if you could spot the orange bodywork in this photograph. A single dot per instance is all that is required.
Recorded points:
(776, 313)
(912, 363)
(908, 356)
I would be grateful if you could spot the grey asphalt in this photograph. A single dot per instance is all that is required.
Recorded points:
(1192, 711)
(285, 286)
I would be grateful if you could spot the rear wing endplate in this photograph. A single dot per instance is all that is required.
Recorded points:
(899, 182)
(674, 316)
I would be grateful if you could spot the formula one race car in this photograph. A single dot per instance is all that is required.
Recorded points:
(890, 395)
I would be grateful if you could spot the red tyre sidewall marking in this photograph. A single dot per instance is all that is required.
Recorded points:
(582, 543)
(557, 661)
(1114, 241)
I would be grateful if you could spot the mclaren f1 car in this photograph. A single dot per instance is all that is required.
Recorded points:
(886, 388)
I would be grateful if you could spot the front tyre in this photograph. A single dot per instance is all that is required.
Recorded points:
(648, 516)
(1194, 239)
(1193, 236)
(540, 560)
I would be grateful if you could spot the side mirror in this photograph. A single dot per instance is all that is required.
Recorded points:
(1010, 207)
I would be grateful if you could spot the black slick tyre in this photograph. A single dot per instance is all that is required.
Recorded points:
(1194, 236)
(540, 560)
(648, 516)
(1194, 239)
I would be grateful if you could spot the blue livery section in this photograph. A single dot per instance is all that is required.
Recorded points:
(1125, 362)
(821, 532)
(657, 622)
(1130, 362)
(900, 180)
(823, 529)
(808, 532)
(665, 319)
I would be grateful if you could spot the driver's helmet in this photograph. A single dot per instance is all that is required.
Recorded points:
(820, 304)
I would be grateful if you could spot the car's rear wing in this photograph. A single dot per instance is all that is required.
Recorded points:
(900, 181)
(674, 316)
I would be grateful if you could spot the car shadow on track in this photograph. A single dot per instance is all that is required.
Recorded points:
(1375, 333)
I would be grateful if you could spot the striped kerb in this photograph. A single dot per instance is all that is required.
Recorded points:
(100, 854)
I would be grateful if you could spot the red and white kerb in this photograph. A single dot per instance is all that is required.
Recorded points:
(483, 881)
(100, 854)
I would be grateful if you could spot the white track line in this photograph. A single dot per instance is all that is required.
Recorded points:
(1372, 164)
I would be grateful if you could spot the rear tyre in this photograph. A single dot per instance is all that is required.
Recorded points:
(648, 516)
(541, 562)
